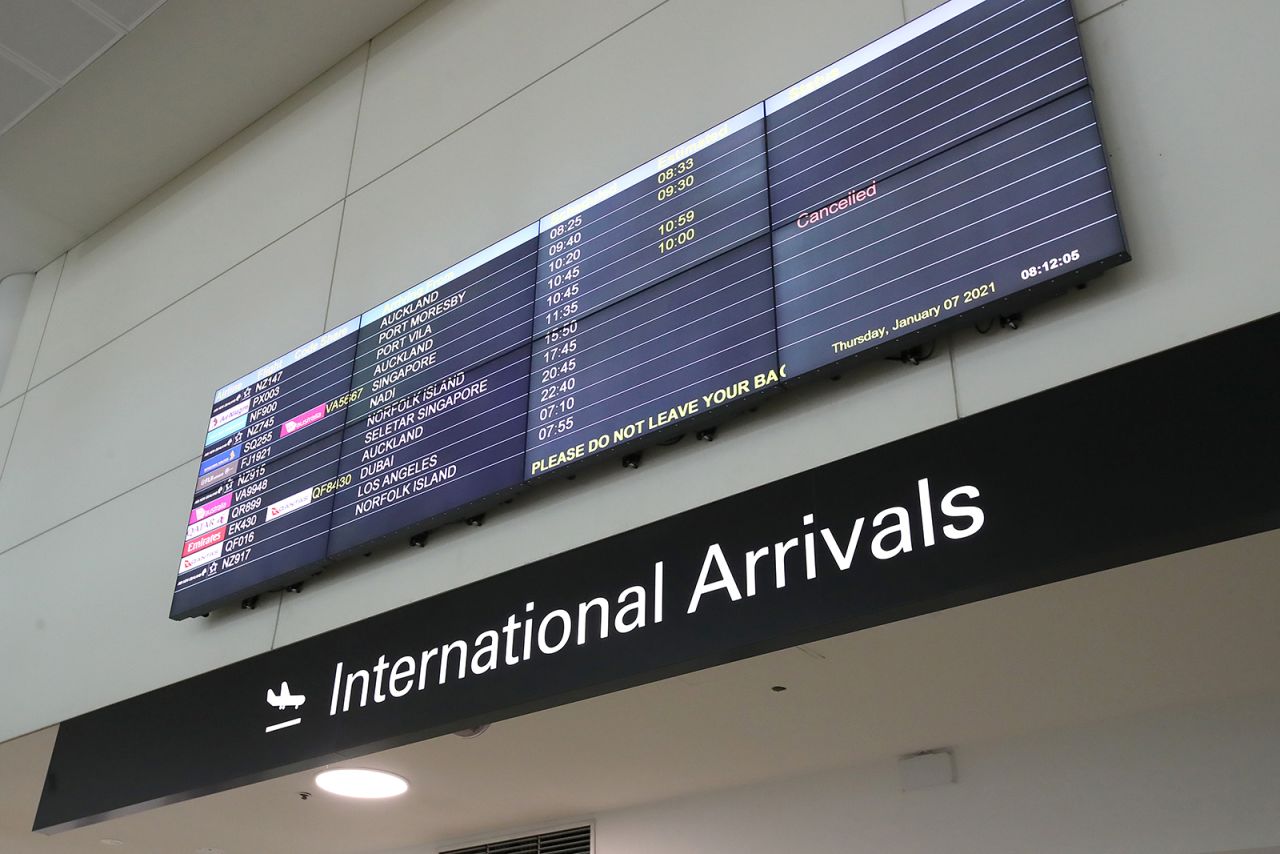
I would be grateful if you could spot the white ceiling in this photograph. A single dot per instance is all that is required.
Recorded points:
(1192, 628)
(44, 43)
(159, 85)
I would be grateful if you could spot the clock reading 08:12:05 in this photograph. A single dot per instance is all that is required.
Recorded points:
(1051, 264)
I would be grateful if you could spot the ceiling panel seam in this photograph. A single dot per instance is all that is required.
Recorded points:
(102, 15)
(34, 70)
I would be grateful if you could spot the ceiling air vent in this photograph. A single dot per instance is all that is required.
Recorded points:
(576, 840)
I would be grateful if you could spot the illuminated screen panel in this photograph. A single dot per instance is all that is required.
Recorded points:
(696, 342)
(468, 314)
(258, 528)
(261, 428)
(944, 78)
(954, 164)
(432, 453)
(678, 210)
(440, 394)
(997, 215)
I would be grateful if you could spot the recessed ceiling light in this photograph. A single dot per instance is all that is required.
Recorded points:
(111, 843)
(362, 783)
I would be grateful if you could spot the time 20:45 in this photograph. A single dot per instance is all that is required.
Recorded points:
(1051, 264)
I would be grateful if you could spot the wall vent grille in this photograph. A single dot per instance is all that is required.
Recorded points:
(576, 840)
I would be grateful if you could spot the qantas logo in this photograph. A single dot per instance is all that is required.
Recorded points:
(200, 558)
(288, 505)
(217, 520)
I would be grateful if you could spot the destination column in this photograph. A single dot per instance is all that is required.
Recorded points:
(437, 426)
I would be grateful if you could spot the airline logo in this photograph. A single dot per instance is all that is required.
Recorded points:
(212, 538)
(231, 414)
(306, 419)
(225, 430)
(213, 508)
(191, 561)
(217, 520)
(227, 456)
(217, 475)
(288, 505)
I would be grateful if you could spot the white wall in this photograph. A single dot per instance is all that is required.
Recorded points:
(14, 293)
(416, 151)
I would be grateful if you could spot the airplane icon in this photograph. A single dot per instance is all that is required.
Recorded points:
(284, 699)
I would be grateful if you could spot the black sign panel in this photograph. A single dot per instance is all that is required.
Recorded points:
(1168, 453)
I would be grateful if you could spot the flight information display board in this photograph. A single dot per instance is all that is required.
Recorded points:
(949, 170)
(441, 373)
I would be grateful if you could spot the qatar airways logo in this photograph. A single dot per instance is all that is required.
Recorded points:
(208, 523)
(306, 419)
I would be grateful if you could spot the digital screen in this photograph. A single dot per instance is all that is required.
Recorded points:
(441, 390)
(272, 440)
(949, 170)
(701, 339)
(953, 163)
(678, 210)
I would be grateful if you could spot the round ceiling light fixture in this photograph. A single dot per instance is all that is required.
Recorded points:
(365, 783)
